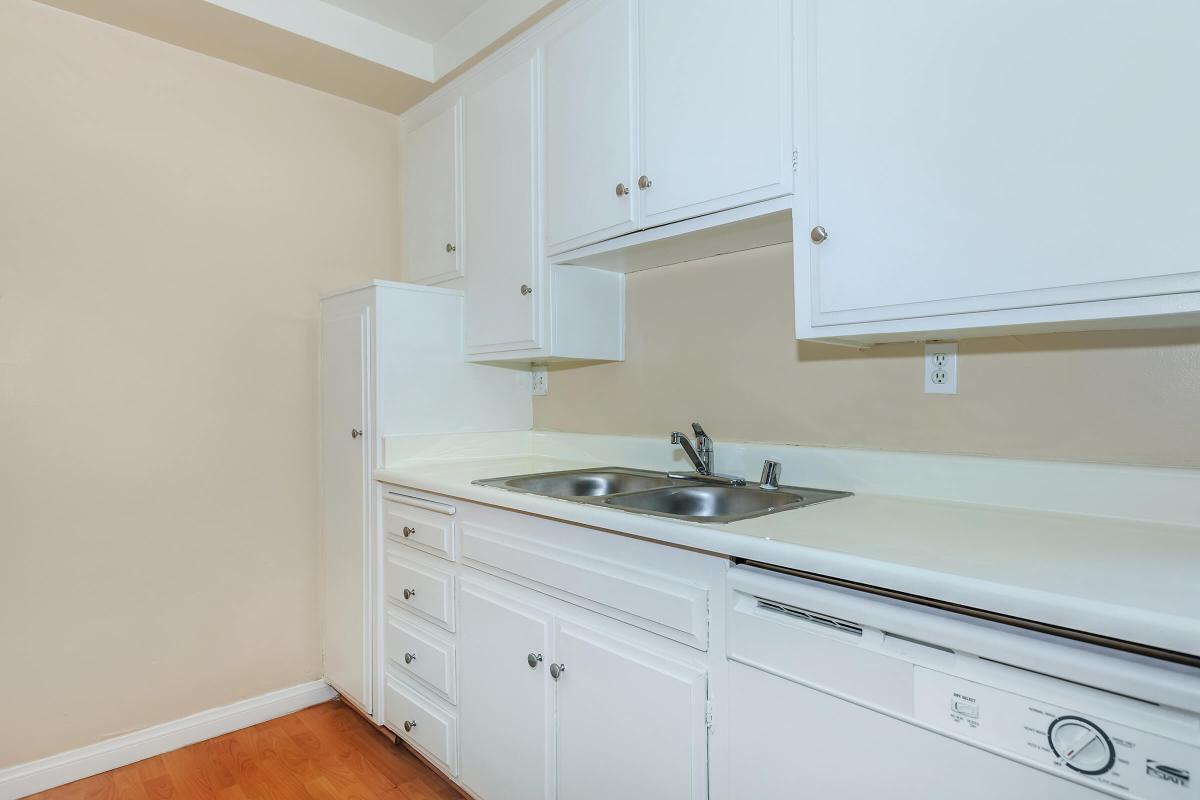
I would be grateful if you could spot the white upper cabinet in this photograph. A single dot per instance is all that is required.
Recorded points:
(716, 106)
(589, 158)
(501, 248)
(989, 165)
(431, 188)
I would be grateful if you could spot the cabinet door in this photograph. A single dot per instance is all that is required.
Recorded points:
(431, 191)
(966, 160)
(502, 306)
(504, 703)
(715, 105)
(630, 723)
(345, 354)
(590, 178)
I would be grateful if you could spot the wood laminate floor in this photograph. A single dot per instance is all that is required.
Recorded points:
(327, 752)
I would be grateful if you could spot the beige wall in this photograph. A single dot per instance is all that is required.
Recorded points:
(713, 341)
(167, 222)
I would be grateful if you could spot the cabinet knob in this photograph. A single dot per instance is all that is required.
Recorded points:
(355, 433)
(534, 659)
(450, 248)
(556, 670)
(409, 594)
(644, 183)
(526, 289)
(409, 531)
(410, 657)
(818, 234)
(622, 190)
(409, 724)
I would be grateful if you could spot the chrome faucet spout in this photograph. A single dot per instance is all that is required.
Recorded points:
(701, 456)
(696, 459)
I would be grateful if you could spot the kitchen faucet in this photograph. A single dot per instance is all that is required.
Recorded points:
(702, 457)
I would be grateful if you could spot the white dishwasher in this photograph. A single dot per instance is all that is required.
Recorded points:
(836, 694)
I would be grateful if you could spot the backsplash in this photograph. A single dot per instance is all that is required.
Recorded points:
(712, 340)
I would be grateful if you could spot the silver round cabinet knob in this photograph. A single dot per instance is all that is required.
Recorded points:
(556, 670)
(644, 183)
(526, 289)
(355, 433)
(450, 248)
(410, 657)
(534, 659)
(409, 724)
(409, 594)
(818, 234)
(409, 531)
(622, 190)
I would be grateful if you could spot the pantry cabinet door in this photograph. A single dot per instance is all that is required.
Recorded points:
(992, 156)
(630, 723)
(502, 307)
(504, 701)
(590, 178)
(715, 105)
(431, 192)
(345, 484)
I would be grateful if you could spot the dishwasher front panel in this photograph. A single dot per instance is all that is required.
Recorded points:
(789, 741)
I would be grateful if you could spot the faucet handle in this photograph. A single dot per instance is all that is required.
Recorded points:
(699, 430)
(770, 474)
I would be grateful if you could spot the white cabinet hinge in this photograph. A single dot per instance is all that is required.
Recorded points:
(795, 159)
(708, 714)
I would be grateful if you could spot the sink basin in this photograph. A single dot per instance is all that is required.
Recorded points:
(585, 483)
(657, 493)
(717, 503)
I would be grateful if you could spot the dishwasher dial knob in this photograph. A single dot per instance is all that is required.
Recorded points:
(1081, 745)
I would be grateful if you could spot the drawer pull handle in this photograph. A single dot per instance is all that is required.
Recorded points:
(409, 594)
(556, 670)
(410, 657)
(409, 724)
(533, 659)
(409, 531)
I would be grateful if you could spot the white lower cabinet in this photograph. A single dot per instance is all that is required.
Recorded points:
(553, 662)
(630, 723)
(505, 702)
(554, 707)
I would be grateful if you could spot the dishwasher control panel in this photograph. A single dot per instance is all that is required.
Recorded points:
(1073, 741)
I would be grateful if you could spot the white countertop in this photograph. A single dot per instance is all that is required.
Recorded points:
(1131, 580)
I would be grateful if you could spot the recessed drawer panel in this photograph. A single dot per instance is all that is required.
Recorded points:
(421, 722)
(651, 600)
(423, 590)
(419, 528)
(421, 655)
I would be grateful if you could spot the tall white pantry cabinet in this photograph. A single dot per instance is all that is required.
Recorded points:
(391, 364)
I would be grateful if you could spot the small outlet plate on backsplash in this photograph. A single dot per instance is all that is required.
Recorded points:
(941, 368)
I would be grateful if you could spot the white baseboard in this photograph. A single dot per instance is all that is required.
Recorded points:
(46, 773)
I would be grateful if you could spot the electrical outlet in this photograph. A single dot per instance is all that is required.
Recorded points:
(941, 368)
(539, 380)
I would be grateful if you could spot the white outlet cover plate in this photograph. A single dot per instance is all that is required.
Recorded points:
(941, 368)
(539, 381)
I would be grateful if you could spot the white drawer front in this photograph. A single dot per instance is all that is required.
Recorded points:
(420, 529)
(431, 729)
(422, 656)
(650, 600)
(423, 590)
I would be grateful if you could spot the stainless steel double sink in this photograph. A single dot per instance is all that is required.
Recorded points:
(659, 494)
